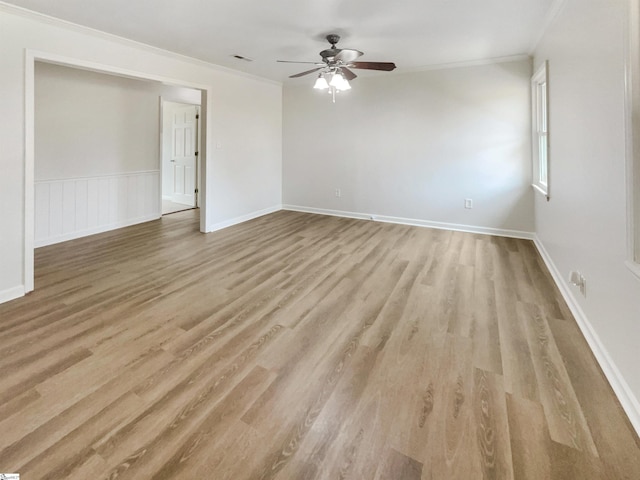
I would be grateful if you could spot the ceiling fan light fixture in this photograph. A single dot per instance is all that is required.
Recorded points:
(344, 85)
(335, 67)
(337, 80)
(321, 83)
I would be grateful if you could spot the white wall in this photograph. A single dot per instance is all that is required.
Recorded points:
(583, 226)
(243, 176)
(415, 146)
(90, 124)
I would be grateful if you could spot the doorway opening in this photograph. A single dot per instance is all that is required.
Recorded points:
(79, 185)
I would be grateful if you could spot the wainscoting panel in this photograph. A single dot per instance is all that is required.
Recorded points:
(76, 207)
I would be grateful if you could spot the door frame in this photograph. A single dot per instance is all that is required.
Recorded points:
(198, 146)
(33, 56)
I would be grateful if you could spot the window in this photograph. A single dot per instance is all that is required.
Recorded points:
(540, 122)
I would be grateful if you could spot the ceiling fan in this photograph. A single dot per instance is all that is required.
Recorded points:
(337, 64)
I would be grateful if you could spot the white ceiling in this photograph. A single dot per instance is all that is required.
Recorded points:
(412, 33)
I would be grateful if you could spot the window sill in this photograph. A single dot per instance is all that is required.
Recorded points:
(634, 267)
(540, 190)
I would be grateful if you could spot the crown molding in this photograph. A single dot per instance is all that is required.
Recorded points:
(452, 65)
(441, 66)
(465, 63)
(57, 22)
(552, 14)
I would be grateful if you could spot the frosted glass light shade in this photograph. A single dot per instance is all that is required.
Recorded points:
(336, 80)
(321, 83)
(339, 82)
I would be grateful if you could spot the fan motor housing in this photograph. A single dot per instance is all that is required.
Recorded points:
(329, 53)
(332, 38)
(340, 60)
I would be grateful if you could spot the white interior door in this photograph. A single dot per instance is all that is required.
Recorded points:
(184, 143)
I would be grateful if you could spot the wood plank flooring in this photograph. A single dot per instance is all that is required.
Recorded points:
(300, 346)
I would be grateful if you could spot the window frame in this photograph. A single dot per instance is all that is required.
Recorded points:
(540, 145)
(632, 134)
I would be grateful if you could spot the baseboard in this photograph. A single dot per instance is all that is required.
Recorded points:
(12, 293)
(93, 231)
(243, 218)
(622, 390)
(414, 222)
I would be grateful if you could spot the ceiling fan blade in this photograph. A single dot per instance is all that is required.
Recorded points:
(305, 73)
(384, 66)
(348, 74)
(292, 61)
(347, 55)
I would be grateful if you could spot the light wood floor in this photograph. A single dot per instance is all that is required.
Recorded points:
(169, 207)
(297, 346)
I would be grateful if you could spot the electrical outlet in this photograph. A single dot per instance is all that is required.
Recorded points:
(468, 203)
(338, 192)
(574, 278)
(583, 285)
(578, 280)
